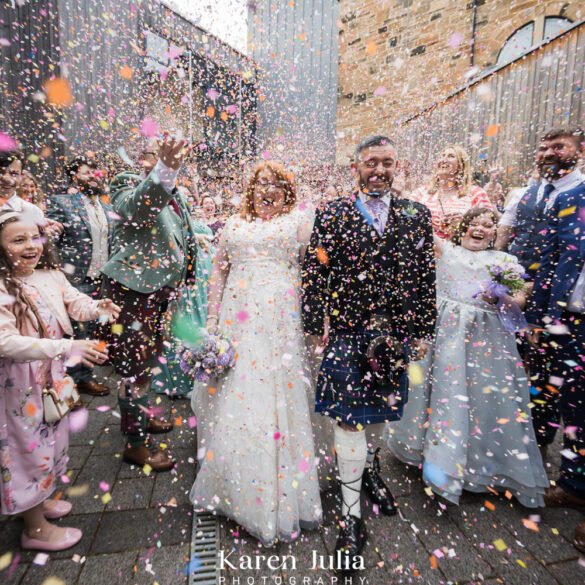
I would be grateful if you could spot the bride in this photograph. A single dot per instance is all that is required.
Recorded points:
(255, 446)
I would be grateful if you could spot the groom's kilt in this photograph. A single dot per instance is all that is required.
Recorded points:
(346, 390)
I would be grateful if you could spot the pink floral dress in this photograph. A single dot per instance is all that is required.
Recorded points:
(32, 454)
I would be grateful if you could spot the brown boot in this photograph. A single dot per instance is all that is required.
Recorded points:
(153, 456)
(93, 388)
(557, 497)
(156, 426)
(579, 540)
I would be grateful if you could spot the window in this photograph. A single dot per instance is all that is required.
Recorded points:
(518, 44)
(159, 53)
(530, 34)
(554, 26)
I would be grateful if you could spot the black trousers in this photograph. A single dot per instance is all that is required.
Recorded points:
(544, 394)
(86, 330)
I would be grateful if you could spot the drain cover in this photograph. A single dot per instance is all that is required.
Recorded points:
(204, 548)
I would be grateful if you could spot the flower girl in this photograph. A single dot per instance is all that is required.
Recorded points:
(469, 423)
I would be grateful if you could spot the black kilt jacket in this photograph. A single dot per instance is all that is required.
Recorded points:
(350, 273)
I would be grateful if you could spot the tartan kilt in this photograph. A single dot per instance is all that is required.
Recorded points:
(346, 390)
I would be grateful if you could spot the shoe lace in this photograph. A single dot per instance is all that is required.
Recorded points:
(348, 485)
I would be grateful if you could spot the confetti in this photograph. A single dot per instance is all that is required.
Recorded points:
(58, 92)
(149, 128)
(5, 560)
(78, 420)
(6, 142)
(492, 130)
(455, 40)
(40, 559)
(126, 72)
(371, 48)
(567, 211)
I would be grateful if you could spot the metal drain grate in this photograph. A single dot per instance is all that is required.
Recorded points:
(205, 547)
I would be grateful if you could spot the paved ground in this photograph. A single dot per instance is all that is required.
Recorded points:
(142, 534)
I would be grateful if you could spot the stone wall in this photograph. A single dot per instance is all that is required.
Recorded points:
(400, 56)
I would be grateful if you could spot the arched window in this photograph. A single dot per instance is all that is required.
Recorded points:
(517, 44)
(554, 26)
(530, 34)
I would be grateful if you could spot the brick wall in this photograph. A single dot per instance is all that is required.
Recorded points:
(399, 56)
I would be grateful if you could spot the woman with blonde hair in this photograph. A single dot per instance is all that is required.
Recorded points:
(255, 445)
(30, 191)
(451, 192)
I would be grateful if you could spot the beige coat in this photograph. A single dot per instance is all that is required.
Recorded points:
(64, 300)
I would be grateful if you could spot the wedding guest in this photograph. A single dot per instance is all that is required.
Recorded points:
(30, 191)
(210, 214)
(153, 254)
(11, 169)
(84, 248)
(451, 193)
(187, 314)
(523, 230)
(469, 425)
(35, 311)
(557, 309)
(496, 193)
(523, 226)
(255, 443)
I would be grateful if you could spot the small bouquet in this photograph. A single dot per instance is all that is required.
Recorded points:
(508, 279)
(211, 358)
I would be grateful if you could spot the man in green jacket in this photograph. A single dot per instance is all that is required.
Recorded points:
(153, 253)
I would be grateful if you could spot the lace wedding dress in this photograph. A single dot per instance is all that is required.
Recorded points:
(255, 446)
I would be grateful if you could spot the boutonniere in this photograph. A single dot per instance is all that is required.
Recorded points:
(410, 211)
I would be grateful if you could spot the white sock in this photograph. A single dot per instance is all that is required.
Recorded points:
(351, 449)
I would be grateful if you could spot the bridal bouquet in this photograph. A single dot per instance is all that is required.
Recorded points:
(210, 358)
(508, 278)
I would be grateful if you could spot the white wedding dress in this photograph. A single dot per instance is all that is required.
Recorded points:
(255, 446)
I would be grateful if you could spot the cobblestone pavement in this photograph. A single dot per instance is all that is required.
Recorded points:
(142, 534)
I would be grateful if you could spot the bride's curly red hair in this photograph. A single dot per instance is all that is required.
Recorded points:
(285, 177)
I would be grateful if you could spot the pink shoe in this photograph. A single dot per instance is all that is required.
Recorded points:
(71, 538)
(59, 509)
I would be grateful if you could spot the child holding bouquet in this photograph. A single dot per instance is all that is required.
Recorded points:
(469, 421)
(36, 303)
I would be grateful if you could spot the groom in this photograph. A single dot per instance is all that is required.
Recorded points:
(369, 303)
